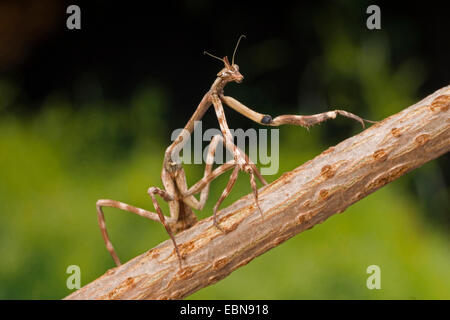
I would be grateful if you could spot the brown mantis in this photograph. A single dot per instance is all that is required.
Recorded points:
(180, 198)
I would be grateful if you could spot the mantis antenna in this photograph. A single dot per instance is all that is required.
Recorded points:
(234, 52)
(235, 49)
(211, 55)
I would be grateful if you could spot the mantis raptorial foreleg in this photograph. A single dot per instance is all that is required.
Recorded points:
(304, 121)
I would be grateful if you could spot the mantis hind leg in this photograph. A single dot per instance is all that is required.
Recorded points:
(176, 222)
(123, 206)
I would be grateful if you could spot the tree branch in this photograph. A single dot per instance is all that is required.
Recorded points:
(298, 200)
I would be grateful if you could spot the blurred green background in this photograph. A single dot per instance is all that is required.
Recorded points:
(88, 114)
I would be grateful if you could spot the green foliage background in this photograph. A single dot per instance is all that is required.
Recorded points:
(55, 164)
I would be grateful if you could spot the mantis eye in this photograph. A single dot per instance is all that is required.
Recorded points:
(225, 73)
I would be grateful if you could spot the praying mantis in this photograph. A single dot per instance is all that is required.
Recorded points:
(180, 198)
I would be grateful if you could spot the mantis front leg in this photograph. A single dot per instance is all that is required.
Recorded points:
(304, 121)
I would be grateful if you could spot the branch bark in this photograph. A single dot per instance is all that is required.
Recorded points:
(298, 200)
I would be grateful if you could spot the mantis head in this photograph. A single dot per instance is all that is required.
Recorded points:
(231, 70)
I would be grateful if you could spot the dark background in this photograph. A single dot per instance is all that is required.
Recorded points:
(124, 45)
